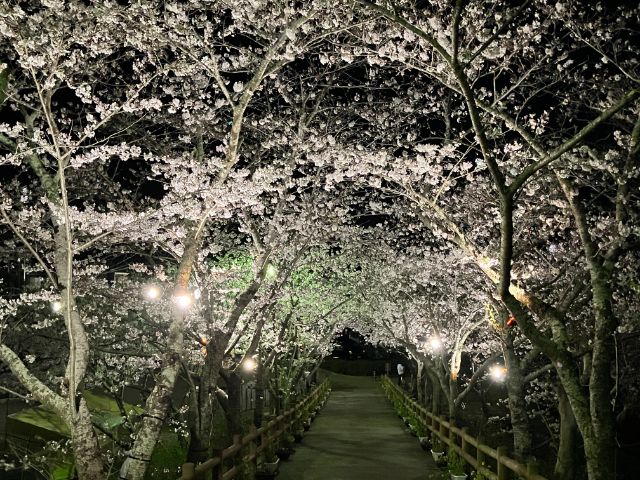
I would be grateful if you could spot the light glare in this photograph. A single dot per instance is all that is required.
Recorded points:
(435, 343)
(272, 271)
(152, 292)
(183, 300)
(498, 373)
(249, 365)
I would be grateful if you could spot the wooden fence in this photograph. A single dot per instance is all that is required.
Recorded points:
(493, 463)
(248, 448)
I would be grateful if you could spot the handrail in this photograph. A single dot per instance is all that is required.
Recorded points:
(267, 434)
(460, 441)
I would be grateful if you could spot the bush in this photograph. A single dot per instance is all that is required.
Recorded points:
(437, 445)
(455, 462)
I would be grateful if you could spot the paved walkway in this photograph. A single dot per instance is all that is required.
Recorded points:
(358, 436)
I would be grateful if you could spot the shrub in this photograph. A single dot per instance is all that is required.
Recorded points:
(455, 462)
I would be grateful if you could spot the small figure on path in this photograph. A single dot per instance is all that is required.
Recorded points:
(400, 373)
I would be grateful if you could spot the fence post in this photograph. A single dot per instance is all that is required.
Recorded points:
(443, 429)
(464, 444)
(503, 471)
(237, 442)
(253, 431)
(479, 453)
(452, 435)
(188, 471)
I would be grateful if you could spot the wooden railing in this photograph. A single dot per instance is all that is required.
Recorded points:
(248, 448)
(493, 463)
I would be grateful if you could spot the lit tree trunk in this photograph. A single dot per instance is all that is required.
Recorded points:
(420, 381)
(86, 450)
(158, 402)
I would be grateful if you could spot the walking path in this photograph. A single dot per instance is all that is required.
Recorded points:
(358, 436)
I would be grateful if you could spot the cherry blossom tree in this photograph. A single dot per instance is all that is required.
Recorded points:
(469, 55)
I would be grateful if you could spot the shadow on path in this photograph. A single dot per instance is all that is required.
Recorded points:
(358, 436)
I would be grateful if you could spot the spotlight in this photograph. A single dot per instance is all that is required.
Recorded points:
(152, 292)
(183, 300)
(249, 365)
(498, 373)
(435, 343)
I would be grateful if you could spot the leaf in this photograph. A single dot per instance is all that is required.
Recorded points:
(4, 82)
(63, 472)
(104, 411)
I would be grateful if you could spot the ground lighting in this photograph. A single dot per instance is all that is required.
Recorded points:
(498, 373)
(435, 343)
(152, 292)
(183, 300)
(249, 365)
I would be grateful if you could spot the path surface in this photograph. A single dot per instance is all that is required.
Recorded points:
(358, 436)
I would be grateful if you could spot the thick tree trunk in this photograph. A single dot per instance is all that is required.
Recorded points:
(427, 395)
(600, 447)
(261, 374)
(599, 450)
(277, 394)
(156, 408)
(86, 450)
(204, 405)
(435, 397)
(567, 463)
(522, 441)
(233, 413)
(451, 399)
(597, 425)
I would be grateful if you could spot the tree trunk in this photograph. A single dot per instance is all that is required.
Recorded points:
(156, 408)
(435, 397)
(600, 449)
(204, 405)
(233, 413)
(566, 466)
(451, 398)
(427, 395)
(522, 441)
(86, 451)
(261, 374)
(420, 381)
(277, 395)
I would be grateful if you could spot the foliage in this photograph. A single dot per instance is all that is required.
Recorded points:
(169, 453)
(455, 462)
(420, 174)
(437, 445)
